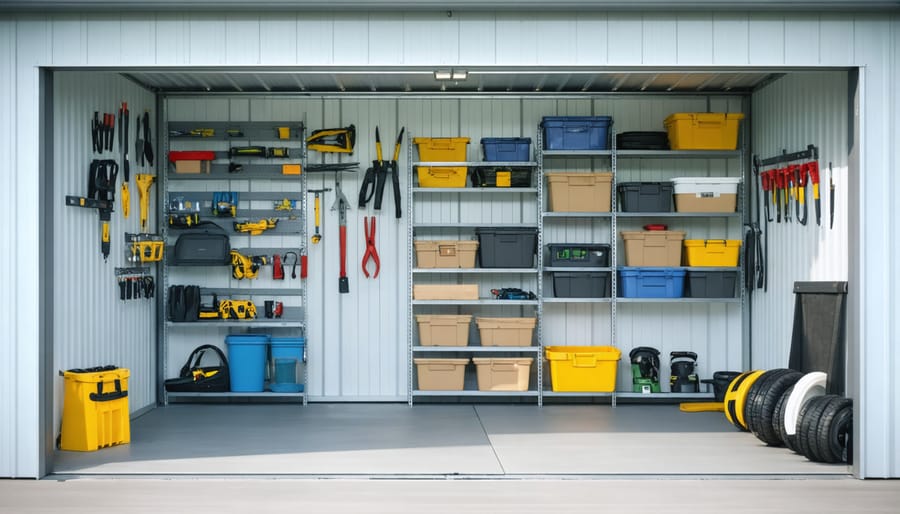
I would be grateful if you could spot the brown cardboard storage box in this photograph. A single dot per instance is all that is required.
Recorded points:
(503, 373)
(441, 374)
(653, 248)
(580, 192)
(445, 254)
(445, 292)
(506, 331)
(443, 329)
(192, 167)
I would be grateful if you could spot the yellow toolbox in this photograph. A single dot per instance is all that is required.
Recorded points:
(583, 368)
(445, 254)
(653, 247)
(503, 373)
(506, 331)
(579, 192)
(703, 130)
(711, 252)
(442, 149)
(445, 292)
(443, 329)
(442, 176)
(441, 374)
(95, 409)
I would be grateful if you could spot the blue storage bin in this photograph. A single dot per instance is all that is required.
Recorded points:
(507, 149)
(247, 362)
(651, 282)
(287, 350)
(576, 132)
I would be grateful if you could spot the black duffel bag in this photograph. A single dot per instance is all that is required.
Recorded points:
(195, 378)
(205, 244)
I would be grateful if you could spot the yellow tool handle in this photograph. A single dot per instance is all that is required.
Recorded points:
(317, 209)
(398, 143)
(377, 144)
(105, 232)
(125, 195)
(816, 191)
(801, 195)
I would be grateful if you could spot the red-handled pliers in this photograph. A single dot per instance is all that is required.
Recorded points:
(371, 251)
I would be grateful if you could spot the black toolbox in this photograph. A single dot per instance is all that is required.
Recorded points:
(506, 247)
(493, 176)
(578, 255)
(646, 196)
(581, 285)
(642, 141)
(711, 284)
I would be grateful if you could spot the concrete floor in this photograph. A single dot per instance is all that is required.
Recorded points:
(438, 441)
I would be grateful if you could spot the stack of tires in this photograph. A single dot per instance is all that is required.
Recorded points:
(784, 407)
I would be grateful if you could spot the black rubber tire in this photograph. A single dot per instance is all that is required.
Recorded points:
(804, 418)
(778, 416)
(840, 435)
(760, 422)
(765, 408)
(809, 425)
(792, 440)
(826, 449)
(756, 391)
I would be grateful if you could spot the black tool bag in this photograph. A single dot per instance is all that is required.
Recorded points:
(642, 141)
(184, 303)
(195, 378)
(507, 177)
(206, 244)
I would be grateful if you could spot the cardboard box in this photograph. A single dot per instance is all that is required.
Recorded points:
(503, 373)
(444, 329)
(441, 374)
(192, 167)
(653, 248)
(445, 254)
(506, 331)
(580, 192)
(445, 292)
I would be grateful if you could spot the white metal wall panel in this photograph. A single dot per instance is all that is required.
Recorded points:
(207, 39)
(349, 39)
(278, 39)
(591, 38)
(801, 34)
(789, 114)
(417, 39)
(242, 39)
(695, 34)
(110, 331)
(138, 43)
(869, 43)
(69, 41)
(103, 36)
(10, 463)
(659, 33)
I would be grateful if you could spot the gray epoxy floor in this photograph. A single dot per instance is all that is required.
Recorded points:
(437, 440)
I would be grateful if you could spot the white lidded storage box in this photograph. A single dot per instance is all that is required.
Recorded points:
(705, 194)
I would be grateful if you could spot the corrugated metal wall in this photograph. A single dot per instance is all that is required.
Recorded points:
(734, 39)
(91, 326)
(789, 114)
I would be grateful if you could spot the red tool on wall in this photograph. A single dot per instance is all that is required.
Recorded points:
(371, 250)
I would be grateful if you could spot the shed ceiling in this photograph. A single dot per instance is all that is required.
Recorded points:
(499, 81)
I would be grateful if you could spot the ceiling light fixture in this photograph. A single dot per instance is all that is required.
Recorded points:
(451, 74)
(460, 74)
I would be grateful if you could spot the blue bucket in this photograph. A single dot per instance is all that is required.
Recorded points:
(284, 350)
(247, 362)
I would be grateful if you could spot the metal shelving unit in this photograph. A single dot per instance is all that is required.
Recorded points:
(291, 224)
(415, 227)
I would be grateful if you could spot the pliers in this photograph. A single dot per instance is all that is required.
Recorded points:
(371, 251)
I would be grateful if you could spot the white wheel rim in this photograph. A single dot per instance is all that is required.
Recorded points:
(809, 386)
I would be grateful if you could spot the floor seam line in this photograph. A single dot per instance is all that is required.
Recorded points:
(488, 437)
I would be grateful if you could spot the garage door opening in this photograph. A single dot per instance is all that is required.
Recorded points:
(357, 359)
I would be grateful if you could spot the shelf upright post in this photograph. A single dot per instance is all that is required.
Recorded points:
(303, 249)
(410, 221)
(162, 333)
(613, 243)
(539, 178)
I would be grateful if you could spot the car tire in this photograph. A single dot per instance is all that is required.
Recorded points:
(766, 401)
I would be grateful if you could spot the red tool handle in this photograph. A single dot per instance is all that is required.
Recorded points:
(304, 269)
(343, 251)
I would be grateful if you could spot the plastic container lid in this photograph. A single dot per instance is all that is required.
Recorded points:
(656, 226)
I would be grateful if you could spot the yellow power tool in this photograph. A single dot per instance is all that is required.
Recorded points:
(237, 309)
(256, 228)
(144, 182)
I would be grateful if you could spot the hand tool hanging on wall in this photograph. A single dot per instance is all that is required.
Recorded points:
(317, 209)
(144, 181)
(126, 169)
(813, 171)
(135, 283)
(801, 177)
(831, 195)
(143, 146)
(335, 140)
(779, 192)
(371, 250)
(246, 266)
(341, 205)
(277, 267)
(376, 176)
(96, 133)
(101, 196)
(755, 262)
(255, 228)
(790, 192)
(788, 182)
(294, 265)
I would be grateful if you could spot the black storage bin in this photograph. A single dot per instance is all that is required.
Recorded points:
(506, 247)
(642, 141)
(711, 284)
(578, 255)
(483, 176)
(581, 285)
(646, 196)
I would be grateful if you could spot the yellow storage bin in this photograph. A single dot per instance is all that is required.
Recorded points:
(445, 254)
(441, 374)
(443, 329)
(442, 149)
(503, 373)
(442, 176)
(583, 368)
(703, 130)
(711, 252)
(579, 192)
(95, 410)
(506, 331)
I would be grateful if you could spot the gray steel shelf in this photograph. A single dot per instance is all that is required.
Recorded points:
(251, 291)
(678, 300)
(678, 154)
(577, 153)
(563, 394)
(576, 300)
(477, 349)
(219, 171)
(546, 215)
(252, 131)
(474, 270)
(473, 225)
(418, 392)
(265, 394)
(475, 302)
(475, 190)
(678, 214)
(667, 396)
(579, 269)
(255, 323)
(478, 164)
